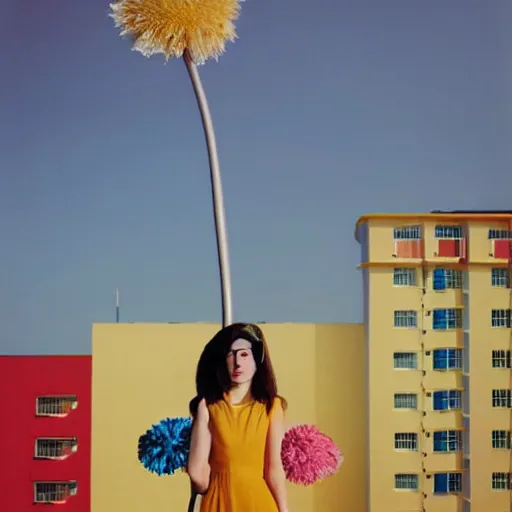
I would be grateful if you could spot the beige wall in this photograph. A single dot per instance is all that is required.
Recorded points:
(145, 372)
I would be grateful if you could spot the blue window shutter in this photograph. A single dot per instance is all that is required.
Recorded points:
(439, 403)
(440, 442)
(440, 319)
(441, 482)
(439, 279)
(440, 359)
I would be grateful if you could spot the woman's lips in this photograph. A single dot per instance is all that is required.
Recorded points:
(236, 374)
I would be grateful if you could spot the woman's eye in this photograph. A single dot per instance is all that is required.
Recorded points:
(244, 354)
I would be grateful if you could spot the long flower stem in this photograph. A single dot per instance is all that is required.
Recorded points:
(217, 195)
(219, 212)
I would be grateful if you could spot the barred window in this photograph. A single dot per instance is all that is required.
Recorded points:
(406, 318)
(502, 398)
(407, 233)
(404, 277)
(501, 481)
(500, 234)
(500, 277)
(501, 317)
(501, 439)
(406, 441)
(54, 492)
(55, 405)
(405, 360)
(406, 481)
(501, 358)
(451, 232)
(406, 401)
(55, 448)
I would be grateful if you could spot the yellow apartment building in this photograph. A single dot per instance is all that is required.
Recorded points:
(143, 373)
(437, 315)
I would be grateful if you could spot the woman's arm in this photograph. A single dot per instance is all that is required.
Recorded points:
(198, 467)
(274, 472)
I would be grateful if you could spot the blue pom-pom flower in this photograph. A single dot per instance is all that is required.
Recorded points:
(164, 448)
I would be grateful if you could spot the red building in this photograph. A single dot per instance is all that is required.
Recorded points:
(45, 432)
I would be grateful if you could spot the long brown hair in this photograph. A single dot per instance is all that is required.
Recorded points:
(212, 376)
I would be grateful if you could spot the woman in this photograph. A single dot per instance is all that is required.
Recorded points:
(235, 450)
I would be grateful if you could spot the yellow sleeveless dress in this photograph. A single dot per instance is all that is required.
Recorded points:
(239, 434)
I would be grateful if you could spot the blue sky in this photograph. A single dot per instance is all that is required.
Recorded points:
(323, 110)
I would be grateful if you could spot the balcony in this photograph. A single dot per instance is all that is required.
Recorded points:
(443, 298)
(443, 461)
(447, 418)
(436, 379)
(439, 338)
(442, 502)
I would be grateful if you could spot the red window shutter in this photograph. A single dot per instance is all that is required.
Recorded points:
(448, 248)
(502, 249)
(409, 249)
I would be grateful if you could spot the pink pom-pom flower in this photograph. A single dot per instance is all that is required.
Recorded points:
(309, 456)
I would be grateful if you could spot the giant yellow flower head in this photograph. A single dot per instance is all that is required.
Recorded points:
(202, 27)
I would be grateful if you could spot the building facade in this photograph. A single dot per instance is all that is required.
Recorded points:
(437, 314)
(45, 432)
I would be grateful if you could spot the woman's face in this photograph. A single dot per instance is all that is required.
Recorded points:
(240, 362)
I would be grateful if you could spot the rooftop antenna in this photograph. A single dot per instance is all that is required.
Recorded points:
(117, 305)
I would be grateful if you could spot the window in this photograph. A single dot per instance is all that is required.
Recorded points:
(501, 317)
(446, 400)
(406, 318)
(447, 359)
(54, 492)
(448, 232)
(501, 358)
(501, 398)
(443, 278)
(406, 401)
(408, 242)
(501, 439)
(450, 242)
(405, 360)
(404, 277)
(501, 481)
(502, 246)
(55, 405)
(500, 234)
(407, 481)
(55, 448)
(407, 233)
(406, 441)
(500, 277)
(447, 441)
(447, 483)
(447, 319)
